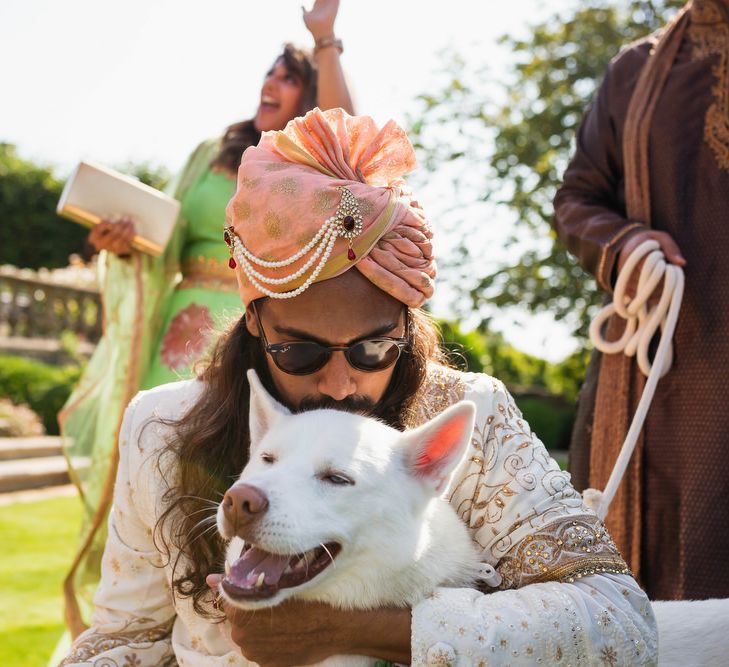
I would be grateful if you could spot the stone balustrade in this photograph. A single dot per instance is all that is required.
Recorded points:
(43, 305)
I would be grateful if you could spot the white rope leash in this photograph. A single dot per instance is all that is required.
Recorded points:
(641, 324)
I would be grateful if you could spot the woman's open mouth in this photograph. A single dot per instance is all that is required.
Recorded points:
(258, 574)
(268, 105)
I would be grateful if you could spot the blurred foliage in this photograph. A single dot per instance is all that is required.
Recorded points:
(43, 387)
(505, 141)
(18, 421)
(550, 418)
(157, 176)
(31, 234)
(545, 392)
(71, 348)
(486, 351)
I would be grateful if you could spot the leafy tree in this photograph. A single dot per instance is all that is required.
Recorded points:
(505, 141)
(31, 234)
(155, 175)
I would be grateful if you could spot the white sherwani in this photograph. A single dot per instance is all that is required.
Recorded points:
(565, 597)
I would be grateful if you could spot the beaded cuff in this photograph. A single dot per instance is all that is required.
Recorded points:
(562, 551)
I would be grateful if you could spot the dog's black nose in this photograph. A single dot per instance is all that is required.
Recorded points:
(243, 504)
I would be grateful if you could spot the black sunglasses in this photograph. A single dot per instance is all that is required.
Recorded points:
(306, 357)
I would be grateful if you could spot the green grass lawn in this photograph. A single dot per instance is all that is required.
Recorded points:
(38, 540)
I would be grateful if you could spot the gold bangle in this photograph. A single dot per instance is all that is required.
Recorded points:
(326, 42)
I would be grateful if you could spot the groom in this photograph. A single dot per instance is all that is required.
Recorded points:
(333, 261)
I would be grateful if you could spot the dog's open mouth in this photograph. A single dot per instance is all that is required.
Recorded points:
(258, 574)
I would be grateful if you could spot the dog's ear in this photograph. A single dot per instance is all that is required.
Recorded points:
(433, 450)
(265, 410)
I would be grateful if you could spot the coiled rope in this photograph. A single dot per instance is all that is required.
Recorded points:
(641, 323)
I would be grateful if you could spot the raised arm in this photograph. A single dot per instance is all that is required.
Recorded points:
(332, 85)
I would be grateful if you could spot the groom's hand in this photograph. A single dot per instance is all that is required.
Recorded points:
(303, 633)
(291, 633)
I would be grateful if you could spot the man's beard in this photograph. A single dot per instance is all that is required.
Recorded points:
(357, 404)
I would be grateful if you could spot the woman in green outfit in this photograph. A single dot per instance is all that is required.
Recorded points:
(160, 313)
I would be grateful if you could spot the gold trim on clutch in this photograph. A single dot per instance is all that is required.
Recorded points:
(90, 220)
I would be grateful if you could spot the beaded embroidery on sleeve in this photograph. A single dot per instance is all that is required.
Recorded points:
(507, 462)
(562, 551)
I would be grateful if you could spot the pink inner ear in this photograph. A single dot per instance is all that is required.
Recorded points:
(436, 451)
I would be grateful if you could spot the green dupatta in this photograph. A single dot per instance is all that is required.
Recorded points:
(134, 293)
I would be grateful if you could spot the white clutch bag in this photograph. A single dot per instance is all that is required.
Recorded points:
(93, 193)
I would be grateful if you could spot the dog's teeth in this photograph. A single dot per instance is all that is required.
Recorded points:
(260, 580)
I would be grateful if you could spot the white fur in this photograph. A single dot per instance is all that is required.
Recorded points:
(400, 540)
(692, 633)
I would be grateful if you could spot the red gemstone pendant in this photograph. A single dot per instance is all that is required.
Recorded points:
(350, 255)
(231, 263)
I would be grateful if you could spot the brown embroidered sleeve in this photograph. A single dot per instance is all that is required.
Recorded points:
(590, 213)
(709, 34)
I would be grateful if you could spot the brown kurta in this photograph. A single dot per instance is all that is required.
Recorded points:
(685, 458)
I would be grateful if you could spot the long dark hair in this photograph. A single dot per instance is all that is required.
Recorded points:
(243, 134)
(209, 446)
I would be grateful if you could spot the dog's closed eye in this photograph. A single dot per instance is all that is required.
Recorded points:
(336, 478)
(268, 458)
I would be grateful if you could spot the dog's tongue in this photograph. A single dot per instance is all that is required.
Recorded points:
(247, 570)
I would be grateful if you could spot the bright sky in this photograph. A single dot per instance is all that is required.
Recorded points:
(148, 79)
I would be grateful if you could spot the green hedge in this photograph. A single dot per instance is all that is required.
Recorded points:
(31, 234)
(545, 392)
(44, 388)
(486, 351)
(550, 418)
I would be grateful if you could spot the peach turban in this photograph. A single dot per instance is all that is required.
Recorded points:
(324, 195)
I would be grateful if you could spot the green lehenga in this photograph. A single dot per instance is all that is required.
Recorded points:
(160, 315)
(207, 296)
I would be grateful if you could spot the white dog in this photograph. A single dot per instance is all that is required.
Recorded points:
(342, 509)
(692, 633)
(339, 508)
